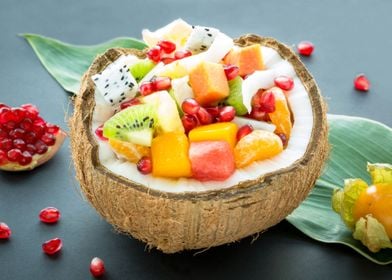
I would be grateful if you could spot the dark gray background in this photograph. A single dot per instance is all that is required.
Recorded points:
(350, 37)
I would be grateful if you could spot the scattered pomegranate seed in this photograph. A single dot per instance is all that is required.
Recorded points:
(49, 215)
(130, 102)
(284, 82)
(99, 133)
(305, 48)
(167, 60)
(226, 114)
(190, 106)
(14, 155)
(3, 157)
(283, 137)
(361, 83)
(204, 117)
(167, 46)
(267, 102)
(97, 267)
(243, 131)
(52, 128)
(189, 122)
(182, 54)
(5, 231)
(52, 246)
(154, 54)
(258, 114)
(161, 83)
(144, 165)
(146, 88)
(231, 71)
(214, 111)
(25, 159)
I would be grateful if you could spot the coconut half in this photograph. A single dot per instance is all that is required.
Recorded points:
(187, 214)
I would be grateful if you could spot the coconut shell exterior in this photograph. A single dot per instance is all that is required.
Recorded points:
(172, 222)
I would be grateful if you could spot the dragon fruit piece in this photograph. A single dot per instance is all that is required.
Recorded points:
(201, 38)
(116, 83)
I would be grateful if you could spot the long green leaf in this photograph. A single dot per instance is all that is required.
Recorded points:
(354, 142)
(66, 62)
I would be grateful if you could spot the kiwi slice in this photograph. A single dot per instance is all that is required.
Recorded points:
(140, 69)
(135, 124)
(235, 96)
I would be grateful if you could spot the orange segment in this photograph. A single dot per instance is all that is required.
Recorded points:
(281, 117)
(257, 145)
(209, 82)
(226, 131)
(131, 152)
(248, 59)
(170, 155)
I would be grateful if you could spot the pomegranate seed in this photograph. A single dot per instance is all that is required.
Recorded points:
(147, 88)
(97, 267)
(31, 149)
(48, 139)
(167, 60)
(243, 131)
(2, 105)
(203, 116)
(31, 111)
(17, 133)
(14, 155)
(154, 54)
(25, 159)
(19, 144)
(161, 83)
(3, 157)
(190, 106)
(19, 114)
(30, 137)
(49, 215)
(52, 246)
(305, 48)
(189, 122)
(144, 165)
(284, 82)
(99, 133)
(10, 125)
(38, 129)
(52, 128)
(5, 115)
(26, 124)
(129, 103)
(267, 102)
(41, 147)
(283, 137)
(3, 133)
(258, 114)
(167, 46)
(226, 114)
(361, 83)
(231, 71)
(5, 231)
(182, 54)
(214, 111)
(6, 144)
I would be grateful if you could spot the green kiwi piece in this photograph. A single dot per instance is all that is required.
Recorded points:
(134, 124)
(235, 96)
(140, 69)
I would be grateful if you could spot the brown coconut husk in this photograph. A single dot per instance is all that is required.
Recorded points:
(173, 222)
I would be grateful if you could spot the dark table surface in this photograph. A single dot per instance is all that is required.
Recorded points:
(350, 37)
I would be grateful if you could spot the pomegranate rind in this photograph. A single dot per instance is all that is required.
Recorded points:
(37, 159)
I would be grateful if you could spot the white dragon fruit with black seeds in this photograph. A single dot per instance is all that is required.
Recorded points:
(116, 84)
(201, 38)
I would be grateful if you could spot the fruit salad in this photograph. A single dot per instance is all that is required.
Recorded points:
(199, 107)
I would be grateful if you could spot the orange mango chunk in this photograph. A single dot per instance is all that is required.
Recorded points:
(225, 131)
(131, 152)
(209, 82)
(257, 145)
(281, 117)
(248, 59)
(169, 154)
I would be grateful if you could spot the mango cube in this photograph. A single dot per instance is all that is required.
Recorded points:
(224, 131)
(169, 154)
(248, 59)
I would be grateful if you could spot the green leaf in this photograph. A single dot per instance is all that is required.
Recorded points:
(67, 63)
(354, 142)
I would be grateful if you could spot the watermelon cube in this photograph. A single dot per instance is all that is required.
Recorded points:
(211, 160)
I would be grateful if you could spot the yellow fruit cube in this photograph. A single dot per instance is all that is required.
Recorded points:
(225, 131)
(169, 154)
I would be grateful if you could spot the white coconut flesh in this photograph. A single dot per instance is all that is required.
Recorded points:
(301, 109)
